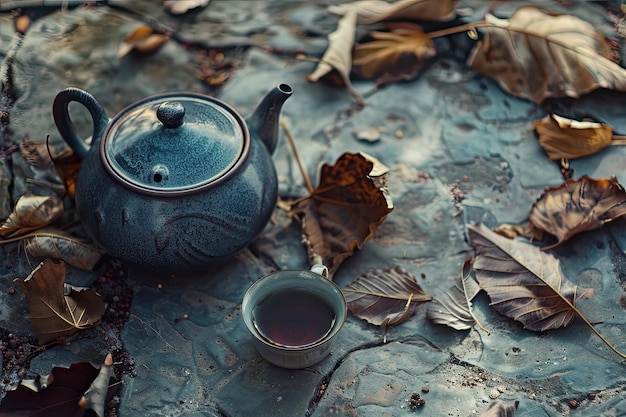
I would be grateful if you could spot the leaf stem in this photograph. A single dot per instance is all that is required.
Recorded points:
(457, 29)
(618, 140)
(591, 326)
(296, 154)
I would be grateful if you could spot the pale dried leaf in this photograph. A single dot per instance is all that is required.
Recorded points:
(454, 307)
(96, 395)
(58, 245)
(52, 313)
(536, 54)
(31, 212)
(523, 282)
(385, 297)
(336, 64)
(374, 11)
(577, 206)
(563, 138)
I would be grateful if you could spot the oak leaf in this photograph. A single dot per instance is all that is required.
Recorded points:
(384, 53)
(374, 11)
(384, 297)
(31, 212)
(454, 307)
(53, 313)
(563, 138)
(143, 40)
(536, 54)
(500, 409)
(577, 206)
(336, 63)
(345, 209)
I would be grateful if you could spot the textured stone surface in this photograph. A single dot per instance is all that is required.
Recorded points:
(449, 128)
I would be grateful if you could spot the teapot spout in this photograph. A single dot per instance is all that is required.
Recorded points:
(263, 122)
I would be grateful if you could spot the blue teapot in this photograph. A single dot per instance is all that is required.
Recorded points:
(176, 181)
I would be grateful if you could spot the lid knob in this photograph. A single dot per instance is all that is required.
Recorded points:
(171, 114)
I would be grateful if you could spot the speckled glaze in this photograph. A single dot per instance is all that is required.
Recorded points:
(174, 192)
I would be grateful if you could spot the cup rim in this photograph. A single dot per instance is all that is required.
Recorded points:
(341, 313)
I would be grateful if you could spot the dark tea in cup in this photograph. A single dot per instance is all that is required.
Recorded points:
(294, 317)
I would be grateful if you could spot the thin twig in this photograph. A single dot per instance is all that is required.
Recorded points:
(296, 155)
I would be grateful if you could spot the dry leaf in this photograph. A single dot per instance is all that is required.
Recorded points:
(144, 40)
(57, 396)
(523, 282)
(96, 395)
(536, 54)
(52, 313)
(384, 297)
(336, 64)
(180, 7)
(42, 154)
(31, 212)
(67, 167)
(383, 54)
(499, 409)
(58, 245)
(512, 231)
(577, 206)
(342, 214)
(454, 307)
(373, 11)
(563, 138)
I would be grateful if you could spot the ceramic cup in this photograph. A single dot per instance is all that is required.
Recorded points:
(293, 315)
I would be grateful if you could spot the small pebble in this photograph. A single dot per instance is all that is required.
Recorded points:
(495, 393)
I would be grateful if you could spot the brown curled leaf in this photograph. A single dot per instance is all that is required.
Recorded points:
(577, 206)
(388, 51)
(563, 138)
(345, 209)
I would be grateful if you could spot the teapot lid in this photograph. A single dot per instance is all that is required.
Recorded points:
(175, 143)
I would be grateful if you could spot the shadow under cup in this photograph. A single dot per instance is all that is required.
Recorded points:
(293, 315)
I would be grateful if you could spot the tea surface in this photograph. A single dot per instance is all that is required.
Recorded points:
(293, 318)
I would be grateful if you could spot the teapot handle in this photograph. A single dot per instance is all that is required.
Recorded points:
(67, 129)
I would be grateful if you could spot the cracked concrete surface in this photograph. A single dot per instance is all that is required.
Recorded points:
(450, 127)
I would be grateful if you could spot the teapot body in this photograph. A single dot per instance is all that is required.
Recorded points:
(177, 233)
(177, 181)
